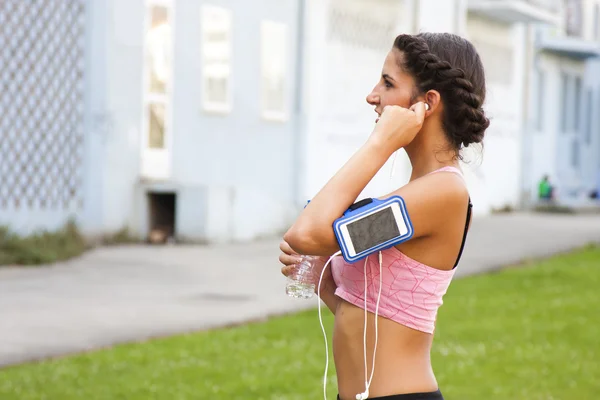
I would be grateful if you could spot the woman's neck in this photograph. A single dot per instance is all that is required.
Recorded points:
(429, 152)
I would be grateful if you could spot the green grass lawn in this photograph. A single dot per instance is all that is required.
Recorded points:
(523, 333)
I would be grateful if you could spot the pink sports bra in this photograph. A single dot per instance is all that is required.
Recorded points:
(411, 292)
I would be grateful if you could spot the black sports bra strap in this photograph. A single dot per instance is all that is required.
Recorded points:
(462, 246)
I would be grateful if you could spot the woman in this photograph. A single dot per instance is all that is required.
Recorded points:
(429, 101)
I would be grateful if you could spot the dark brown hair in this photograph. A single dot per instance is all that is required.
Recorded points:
(449, 64)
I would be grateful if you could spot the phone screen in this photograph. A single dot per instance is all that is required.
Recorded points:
(373, 230)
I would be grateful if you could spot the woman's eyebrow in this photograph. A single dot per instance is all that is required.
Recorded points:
(386, 76)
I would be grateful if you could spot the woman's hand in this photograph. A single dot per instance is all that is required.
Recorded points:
(398, 126)
(289, 258)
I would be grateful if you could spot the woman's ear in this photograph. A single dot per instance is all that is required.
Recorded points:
(433, 99)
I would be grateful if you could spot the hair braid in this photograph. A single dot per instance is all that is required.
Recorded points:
(464, 120)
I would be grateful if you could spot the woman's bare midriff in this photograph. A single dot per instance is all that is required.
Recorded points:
(402, 363)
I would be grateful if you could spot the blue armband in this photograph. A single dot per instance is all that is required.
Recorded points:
(371, 225)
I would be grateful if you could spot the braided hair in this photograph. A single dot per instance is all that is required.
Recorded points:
(449, 64)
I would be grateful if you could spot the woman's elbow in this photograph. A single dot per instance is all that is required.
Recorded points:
(298, 239)
(305, 241)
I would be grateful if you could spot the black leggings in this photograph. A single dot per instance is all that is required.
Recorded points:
(437, 395)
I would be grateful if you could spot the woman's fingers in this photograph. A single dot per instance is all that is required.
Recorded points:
(285, 247)
(287, 270)
(287, 259)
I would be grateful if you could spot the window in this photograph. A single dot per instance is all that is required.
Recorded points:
(158, 65)
(577, 105)
(570, 98)
(156, 126)
(540, 100)
(273, 56)
(588, 116)
(216, 26)
(157, 139)
(596, 135)
(575, 153)
(573, 17)
(564, 100)
(158, 42)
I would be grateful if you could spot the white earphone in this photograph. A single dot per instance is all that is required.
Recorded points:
(427, 107)
(363, 396)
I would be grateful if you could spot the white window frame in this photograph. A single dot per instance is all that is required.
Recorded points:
(156, 162)
(269, 29)
(209, 105)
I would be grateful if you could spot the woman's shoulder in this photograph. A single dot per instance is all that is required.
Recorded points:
(446, 186)
(433, 201)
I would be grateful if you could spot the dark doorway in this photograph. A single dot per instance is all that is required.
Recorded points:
(162, 210)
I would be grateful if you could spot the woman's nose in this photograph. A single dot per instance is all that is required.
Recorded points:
(373, 99)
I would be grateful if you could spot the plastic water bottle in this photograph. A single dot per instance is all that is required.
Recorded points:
(301, 283)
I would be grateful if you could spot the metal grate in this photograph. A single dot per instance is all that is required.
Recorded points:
(41, 103)
(370, 24)
(497, 60)
(359, 35)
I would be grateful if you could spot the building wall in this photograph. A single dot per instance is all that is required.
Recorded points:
(591, 132)
(237, 175)
(588, 135)
(590, 20)
(442, 16)
(346, 45)
(340, 119)
(552, 148)
(97, 123)
(565, 143)
(44, 146)
(495, 170)
(232, 172)
(123, 110)
(242, 162)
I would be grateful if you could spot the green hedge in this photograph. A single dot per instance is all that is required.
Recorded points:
(41, 247)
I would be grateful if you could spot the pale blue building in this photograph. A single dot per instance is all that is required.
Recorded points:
(215, 120)
(149, 114)
(563, 138)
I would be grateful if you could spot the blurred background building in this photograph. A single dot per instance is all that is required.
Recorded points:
(215, 120)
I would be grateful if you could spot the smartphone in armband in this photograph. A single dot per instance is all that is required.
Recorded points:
(371, 225)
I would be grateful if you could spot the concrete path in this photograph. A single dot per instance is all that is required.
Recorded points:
(120, 294)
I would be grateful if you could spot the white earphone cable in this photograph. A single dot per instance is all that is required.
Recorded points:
(365, 394)
(323, 327)
(365, 331)
(377, 313)
(393, 164)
